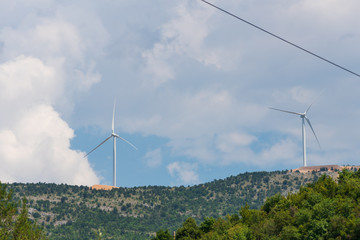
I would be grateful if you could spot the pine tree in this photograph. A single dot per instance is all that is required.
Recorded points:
(14, 225)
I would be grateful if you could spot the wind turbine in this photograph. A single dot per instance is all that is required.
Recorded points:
(303, 117)
(114, 136)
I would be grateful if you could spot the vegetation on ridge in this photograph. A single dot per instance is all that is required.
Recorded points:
(78, 212)
(326, 209)
(14, 224)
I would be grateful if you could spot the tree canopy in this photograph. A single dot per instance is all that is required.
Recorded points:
(14, 224)
(326, 209)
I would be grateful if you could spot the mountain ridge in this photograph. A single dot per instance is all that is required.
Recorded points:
(78, 212)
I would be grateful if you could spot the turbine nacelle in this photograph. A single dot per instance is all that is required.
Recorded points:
(114, 136)
(303, 117)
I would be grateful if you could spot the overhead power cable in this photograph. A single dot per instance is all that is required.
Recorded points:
(280, 38)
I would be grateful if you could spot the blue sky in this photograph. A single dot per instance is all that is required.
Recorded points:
(192, 88)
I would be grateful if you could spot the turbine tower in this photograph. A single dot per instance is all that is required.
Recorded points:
(303, 118)
(114, 136)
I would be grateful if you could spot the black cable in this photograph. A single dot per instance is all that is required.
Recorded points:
(282, 39)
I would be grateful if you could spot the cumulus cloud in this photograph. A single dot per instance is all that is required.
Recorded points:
(214, 119)
(224, 74)
(44, 60)
(204, 125)
(184, 172)
(37, 149)
(60, 43)
(153, 158)
(297, 95)
(197, 147)
(184, 37)
(282, 151)
(190, 74)
(228, 142)
(35, 141)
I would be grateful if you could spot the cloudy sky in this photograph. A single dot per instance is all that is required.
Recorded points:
(192, 88)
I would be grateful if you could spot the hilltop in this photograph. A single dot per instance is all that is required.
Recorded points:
(326, 209)
(330, 168)
(79, 212)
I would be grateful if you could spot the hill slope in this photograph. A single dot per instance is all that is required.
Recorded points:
(78, 212)
(326, 209)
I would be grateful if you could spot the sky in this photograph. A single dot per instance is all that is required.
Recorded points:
(192, 87)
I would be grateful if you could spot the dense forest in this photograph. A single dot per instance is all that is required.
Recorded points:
(14, 218)
(326, 209)
(79, 212)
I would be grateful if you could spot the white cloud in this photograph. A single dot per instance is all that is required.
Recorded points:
(229, 142)
(199, 147)
(153, 158)
(25, 82)
(282, 151)
(67, 46)
(46, 58)
(212, 112)
(188, 74)
(34, 140)
(48, 38)
(204, 125)
(302, 95)
(184, 36)
(37, 149)
(185, 173)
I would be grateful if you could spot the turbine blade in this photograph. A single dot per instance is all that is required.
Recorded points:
(308, 121)
(98, 146)
(300, 114)
(308, 108)
(322, 91)
(113, 119)
(126, 141)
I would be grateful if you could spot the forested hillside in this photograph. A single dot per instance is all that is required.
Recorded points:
(326, 209)
(78, 212)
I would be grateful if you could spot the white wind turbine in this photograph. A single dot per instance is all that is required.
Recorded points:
(114, 136)
(303, 117)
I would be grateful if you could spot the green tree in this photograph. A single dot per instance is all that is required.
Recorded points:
(15, 225)
(189, 230)
(208, 224)
(290, 233)
(250, 216)
(238, 232)
(326, 209)
(271, 202)
(7, 212)
(162, 235)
